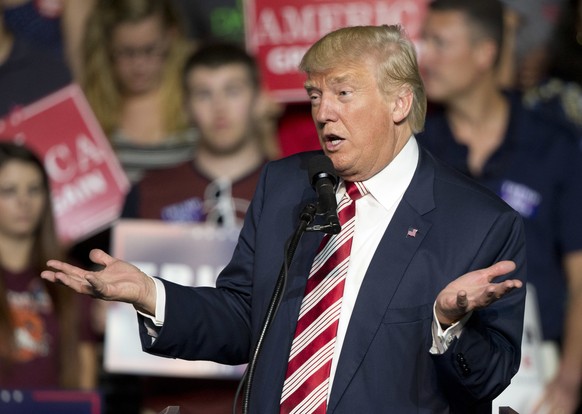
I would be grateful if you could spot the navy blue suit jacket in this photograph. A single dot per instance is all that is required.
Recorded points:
(385, 365)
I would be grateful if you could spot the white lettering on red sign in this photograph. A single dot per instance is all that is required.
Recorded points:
(292, 25)
(281, 60)
(79, 191)
(63, 162)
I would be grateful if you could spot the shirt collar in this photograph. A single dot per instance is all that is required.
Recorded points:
(396, 176)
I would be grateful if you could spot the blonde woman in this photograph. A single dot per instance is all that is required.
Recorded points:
(133, 52)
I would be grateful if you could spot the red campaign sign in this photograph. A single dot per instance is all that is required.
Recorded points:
(278, 32)
(88, 184)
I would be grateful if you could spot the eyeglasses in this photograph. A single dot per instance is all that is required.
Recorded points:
(151, 51)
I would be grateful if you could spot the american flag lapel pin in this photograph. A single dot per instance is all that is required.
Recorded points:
(411, 232)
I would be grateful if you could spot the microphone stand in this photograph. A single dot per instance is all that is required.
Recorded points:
(305, 219)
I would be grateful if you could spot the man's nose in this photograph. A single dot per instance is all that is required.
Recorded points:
(326, 111)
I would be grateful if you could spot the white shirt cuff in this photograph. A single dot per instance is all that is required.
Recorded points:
(442, 339)
(157, 320)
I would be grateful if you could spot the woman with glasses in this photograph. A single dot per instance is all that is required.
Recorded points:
(133, 52)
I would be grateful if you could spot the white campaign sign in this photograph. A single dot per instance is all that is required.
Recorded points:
(189, 254)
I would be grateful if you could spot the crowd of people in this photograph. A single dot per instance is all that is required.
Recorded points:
(185, 110)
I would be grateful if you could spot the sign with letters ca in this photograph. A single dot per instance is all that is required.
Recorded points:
(87, 182)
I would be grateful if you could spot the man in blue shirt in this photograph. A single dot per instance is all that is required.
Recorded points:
(532, 163)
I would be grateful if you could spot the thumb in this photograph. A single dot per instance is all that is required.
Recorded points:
(98, 256)
(462, 301)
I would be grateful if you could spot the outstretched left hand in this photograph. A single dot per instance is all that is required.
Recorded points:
(474, 290)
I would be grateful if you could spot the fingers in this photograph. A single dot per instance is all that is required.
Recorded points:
(68, 280)
(516, 283)
(48, 275)
(505, 287)
(65, 267)
(494, 292)
(75, 282)
(68, 275)
(63, 271)
(499, 269)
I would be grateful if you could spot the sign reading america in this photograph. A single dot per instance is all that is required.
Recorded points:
(278, 32)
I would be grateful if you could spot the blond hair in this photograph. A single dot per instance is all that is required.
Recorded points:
(393, 53)
(98, 79)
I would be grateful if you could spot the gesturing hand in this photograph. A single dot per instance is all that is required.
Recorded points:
(117, 281)
(474, 290)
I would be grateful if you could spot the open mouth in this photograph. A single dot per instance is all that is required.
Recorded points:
(332, 140)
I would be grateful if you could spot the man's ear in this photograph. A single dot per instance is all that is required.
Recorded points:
(485, 53)
(402, 104)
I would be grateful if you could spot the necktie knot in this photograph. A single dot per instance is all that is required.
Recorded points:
(355, 190)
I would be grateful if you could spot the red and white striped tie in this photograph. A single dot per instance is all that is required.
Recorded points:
(307, 380)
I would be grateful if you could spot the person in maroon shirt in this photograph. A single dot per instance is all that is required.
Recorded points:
(222, 87)
(45, 340)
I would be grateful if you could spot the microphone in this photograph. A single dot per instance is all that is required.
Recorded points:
(323, 178)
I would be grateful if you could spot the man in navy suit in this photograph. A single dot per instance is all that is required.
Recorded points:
(432, 313)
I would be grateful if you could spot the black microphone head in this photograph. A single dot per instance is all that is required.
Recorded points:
(320, 166)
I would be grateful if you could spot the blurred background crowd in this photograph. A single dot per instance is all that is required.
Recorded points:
(184, 107)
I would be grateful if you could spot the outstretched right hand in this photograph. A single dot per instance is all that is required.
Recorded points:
(117, 281)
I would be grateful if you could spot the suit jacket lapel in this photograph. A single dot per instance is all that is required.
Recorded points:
(394, 253)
